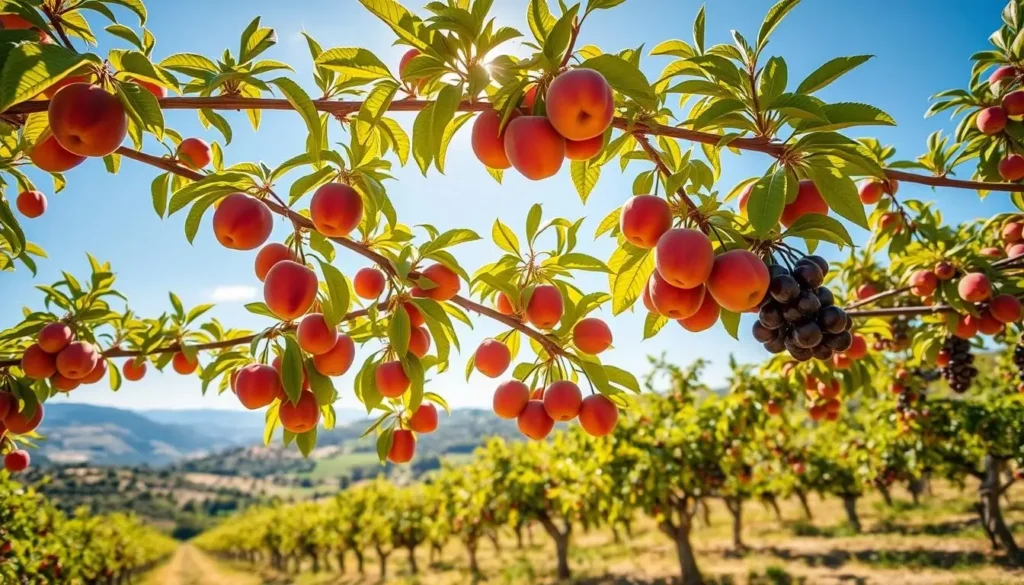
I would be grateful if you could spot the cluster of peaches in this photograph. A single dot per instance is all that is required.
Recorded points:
(16, 460)
(974, 287)
(536, 412)
(993, 119)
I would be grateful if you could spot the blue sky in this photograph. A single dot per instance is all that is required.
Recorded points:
(918, 53)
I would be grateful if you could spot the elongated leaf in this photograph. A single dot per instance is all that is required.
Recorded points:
(299, 100)
(839, 192)
(29, 68)
(829, 72)
(625, 78)
(504, 237)
(772, 20)
(767, 199)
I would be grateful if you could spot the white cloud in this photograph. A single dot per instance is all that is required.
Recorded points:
(232, 293)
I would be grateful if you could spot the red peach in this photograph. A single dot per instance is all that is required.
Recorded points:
(974, 287)
(419, 342)
(336, 209)
(871, 191)
(991, 121)
(17, 461)
(369, 283)
(967, 326)
(580, 104)
(488, 140)
(183, 365)
(391, 379)
(989, 325)
(562, 400)
(19, 423)
(510, 399)
(1005, 308)
(338, 360)
(37, 364)
(923, 283)
(194, 153)
(534, 147)
(270, 255)
(592, 335)
(503, 305)
(1002, 74)
(598, 415)
(584, 149)
(289, 290)
(866, 291)
(546, 307)
(158, 91)
(1013, 103)
(645, 219)
(31, 204)
(64, 384)
(858, 349)
(87, 120)
(97, 373)
(301, 417)
(446, 280)
(403, 446)
(1011, 168)
(8, 404)
(808, 200)
(684, 257)
(1013, 231)
(133, 372)
(424, 420)
(492, 358)
(258, 385)
(944, 270)
(992, 252)
(415, 316)
(54, 337)
(50, 156)
(77, 359)
(738, 281)
(242, 222)
(674, 302)
(534, 421)
(705, 317)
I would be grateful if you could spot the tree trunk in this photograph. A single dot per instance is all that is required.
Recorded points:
(803, 504)
(471, 549)
(493, 537)
(735, 506)
(886, 496)
(773, 503)
(359, 561)
(561, 538)
(341, 562)
(628, 525)
(316, 561)
(383, 556)
(412, 560)
(991, 513)
(435, 553)
(705, 512)
(616, 538)
(519, 536)
(850, 505)
(916, 488)
(679, 532)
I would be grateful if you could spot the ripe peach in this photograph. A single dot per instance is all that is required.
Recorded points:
(492, 358)
(510, 399)
(77, 359)
(584, 149)
(445, 278)
(301, 417)
(15, 22)
(391, 379)
(808, 200)
(829, 390)
(645, 219)
(1011, 168)
(580, 104)
(194, 153)
(97, 373)
(674, 302)
(488, 142)
(338, 360)
(705, 317)
(1000, 76)
(534, 421)
(967, 326)
(289, 290)
(503, 305)
(369, 283)
(242, 222)
(257, 385)
(50, 156)
(403, 63)
(866, 291)
(592, 335)
(133, 372)
(545, 308)
(684, 257)
(63, 384)
(923, 283)
(315, 336)
(17, 461)
(992, 120)
(38, 364)
(773, 408)
(832, 406)
(1013, 103)
(415, 316)
(871, 191)
(8, 404)
(270, 255)
(890, 222)
(858, 349)
(1005, 308)
(816, 412)
(534, 147)
(54, 337)
(992, 252)
(1013, 231)
(529, 98)
(183, 365)
(974, 287)
(419, 341)
(87, 120)
(336, 209)
(158, 91)
(942, 359)
(19, 423)
(403, 446)
(424, 420)
(598, 415)
(944, 270)
(648, 301)
(562, 400)
(738, 281)
(31, 204)
(989, 325)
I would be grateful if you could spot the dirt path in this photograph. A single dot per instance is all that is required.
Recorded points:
(190, 566)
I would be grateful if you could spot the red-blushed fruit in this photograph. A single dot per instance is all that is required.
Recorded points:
(424, 420)
(644, 220)
(403, 63)
(580, 104)
(546, 307)
(492, 358)
(1015, 250)
(97, 373)
(369, 283)
(942, 359)
(315, 336)
(944, 270)
(338, 359)
(503, 305)
(584, 149)
(529, 99)
(64, 384)
(773, 408)
(562, 400)
(534, 147)
(8, 404)
(866, 291)
(16, 22)
(301, 417)
(183, 365)
(278, 365)
(488, 140)
(419, 341)
(17, 461)
(738, 280)
(1005, 308)
(871, 191)
(194, 153)
(992, 252)
(832, 407)
(989, 325)
(684, 257)
(592, 335)
(992, 120)
(415, 316)
(828, 390)
(1013, 103)
(31, 204)
(258, 385)
(645, 296)
(890, 222)
(705, 317)
(19, 423)
(289, 290)
(858, 348)
(391, 379)
(1011, 168)
(87, 120)
(923, 283)
(896, 388)
(891, 186)
(510, 399)
(974, 287)
(674, 302)
(534, 421)
(598, 415)
(967, 326)
(54, 337)
(336, 209)
(1012, 232)
(841, 361)
(38, 364)
(1000, 76)
(447, 281)
(403, 446)
(270, 255)
(158, 91)
(77, 359)
(816, 412)
(242, 222)
(50, 156)
(133, 372)
(808, 200)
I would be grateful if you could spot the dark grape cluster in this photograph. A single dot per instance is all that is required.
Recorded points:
(799, 315)
(960, 371)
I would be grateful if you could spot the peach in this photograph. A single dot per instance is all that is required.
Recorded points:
(534, 421)
(369, 283)
(37, 364)
(1006, 73)
(992, 120)
(1011, 168)
(684, 257)
(828, 390)
(890, 222)
(97, 373)
(419, 342)
(87, 120)
(183, 365)
(992, 252)
(510, 399)
(270, 255)
(745, 198)
(858, 348)
(391, 379)
(529, 99)
(503, 305)
(242, 222)
(705, 317)
(923, 283)
(315, 336)
(258, 385)
(580, 104)
(674, 302)
(773, 408)
(645, 219)
(194, 153)
(546, 307)
(598, 415)
(403, 446)
(1012, 231)
(944, 270)
(415, 316)
(446, 283)
(336, 209)
(1005, 308)
(77, 360)
(942, 359)
(424, 420)
(989, 325)
(301, 417)
(534, 147)
(289, 290)
(158, 91)
(808, 200)
(15, 22)
(8, 404)
(866, 291)
(338, 360)
(592, 335)
(562, 400)
(738, 281)
(1013, 103)
(488, 140)
(584, 149)
(967, 326)
(492, 358)
(403, 63)
(31, 204)
(648, 301)
(50, 156)
(64, 384)
(19, 423)
(974, 287)
(17, 461)
(871, 191)
(54, 337)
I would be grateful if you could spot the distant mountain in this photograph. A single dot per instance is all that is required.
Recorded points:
(236, 427)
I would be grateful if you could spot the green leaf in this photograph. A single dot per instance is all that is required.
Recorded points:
(29, 68)
(195, 215)
(839, 191)
(159, 191)
(653, 324)
(135, 6)
(306, 442)
(774, 78)
(272, 420)
(819, 227)
(578, 261)
(399, 330)
(622, 378)
(829, 72)
(631, 267)
(299, 100)
(540, 20)
(847, 115)
(585, 175)
(292, 369)
(422, 146)
(731, 322)
(441, 115)
(337, 292)
(142, 107)
(533, 221)
(557, 41)
(255, 40)
(355, 63)
(772, 20)
(385, 439)
(374, 106)
(767, 200)
(322, 387)
(698, 29)
(402, 22)
(625, 78)
(504, 237)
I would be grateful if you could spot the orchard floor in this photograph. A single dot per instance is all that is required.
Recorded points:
(936, 543)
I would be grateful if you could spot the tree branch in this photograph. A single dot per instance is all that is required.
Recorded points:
(693, 213)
